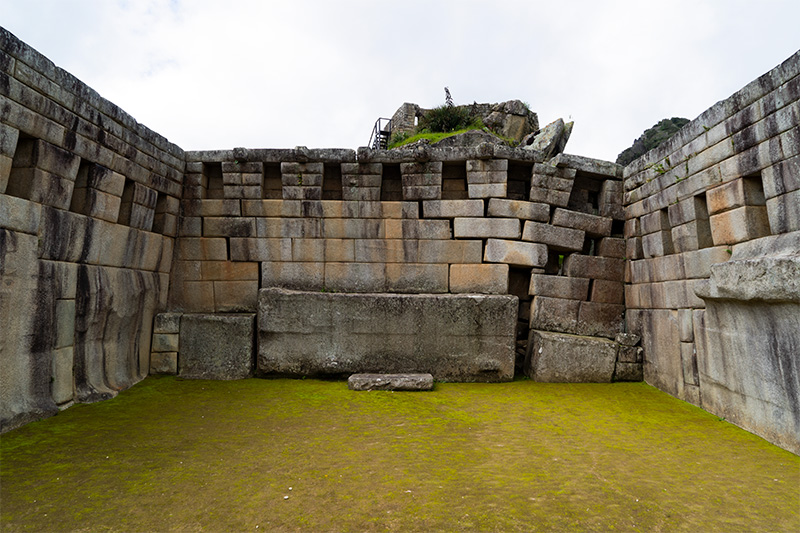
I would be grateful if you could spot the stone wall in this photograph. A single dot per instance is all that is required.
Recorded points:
(89, 205)
(713, 235)
(482, 220)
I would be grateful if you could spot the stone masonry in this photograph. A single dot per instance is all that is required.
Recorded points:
(123, 255)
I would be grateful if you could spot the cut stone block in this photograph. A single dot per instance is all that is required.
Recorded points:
(516, 253)
(629, 354)
(559, 287)
(605, 291)
(165, 342)
(501, 207)
(355, 277)
(691, 236)
(557, 238)
(416, 278)
(601, 319)
(611, 247)
(562, 358)
(593, 225)
(167, 323)
(303, 276)
(392, 382)
(657, 244)
(554, 314)
(453, 337)
(487, 190)
(478, 278)
(216, 346)
(737, 193)
(19, 215)
(452, 208)
(229, 227)
(483, 228)
(587, 266)
(687, 210)
(625, 371)
(164, 363)
(417, 229)
(235, 296)
(549, 196)
(740, 224)
(783, 212)
(48, 157)
(206, 249)
(654, 222)
(633, 248)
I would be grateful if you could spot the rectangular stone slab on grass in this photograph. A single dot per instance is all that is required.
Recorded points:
(393, 382)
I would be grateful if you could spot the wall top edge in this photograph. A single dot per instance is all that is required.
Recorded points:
(718, 112)
(19, 50)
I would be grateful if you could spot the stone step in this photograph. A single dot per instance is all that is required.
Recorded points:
(399, 382)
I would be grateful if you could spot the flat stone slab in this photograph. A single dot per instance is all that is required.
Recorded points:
(399, 382)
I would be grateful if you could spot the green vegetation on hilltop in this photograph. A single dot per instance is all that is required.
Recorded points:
(651, 138)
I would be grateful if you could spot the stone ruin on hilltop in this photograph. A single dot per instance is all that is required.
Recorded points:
(122, 255)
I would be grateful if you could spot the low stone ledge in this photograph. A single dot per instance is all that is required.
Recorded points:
(393, 382)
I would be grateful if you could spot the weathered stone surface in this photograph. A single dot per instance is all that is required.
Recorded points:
(767, 278)
(164, 363)
(547, 140)
(478, 278)
(748, 367)
(452, 337)
(216, 346)
(593, 225)
(501, 207)
(740, 224)
(587, 266)
(554, 314)
(628, 339)
(559, 287)
(452, 208)
(557, 238)
(523, 254)
(600, 319)
(562, 358)
(113, 327)
(483, 228)
(393, 382)
(628, 371)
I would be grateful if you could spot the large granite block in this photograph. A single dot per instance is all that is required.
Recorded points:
(216, 346)
(453, 337)
(562, 358)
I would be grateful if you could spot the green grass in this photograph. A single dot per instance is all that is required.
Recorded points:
(436, 137)
(172, 455)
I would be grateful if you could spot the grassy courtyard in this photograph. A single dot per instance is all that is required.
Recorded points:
(290, 455)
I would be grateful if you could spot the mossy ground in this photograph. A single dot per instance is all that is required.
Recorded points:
(172, 455)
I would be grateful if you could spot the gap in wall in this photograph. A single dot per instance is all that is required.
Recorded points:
(519, 180)
(272, 184)
(213, 174)
(454, 180)
(332, 181)
(391, 183)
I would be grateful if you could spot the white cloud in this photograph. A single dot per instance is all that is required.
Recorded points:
(210, 74)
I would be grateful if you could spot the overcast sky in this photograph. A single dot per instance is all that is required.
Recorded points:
(216, 74)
